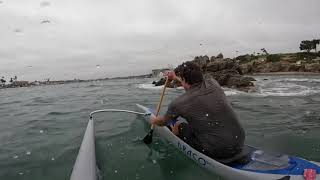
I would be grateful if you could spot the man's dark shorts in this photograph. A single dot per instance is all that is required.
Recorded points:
(187, 135)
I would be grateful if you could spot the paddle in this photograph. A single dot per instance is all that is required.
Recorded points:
(148, 138)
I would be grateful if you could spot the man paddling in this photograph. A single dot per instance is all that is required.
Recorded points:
(213, 127)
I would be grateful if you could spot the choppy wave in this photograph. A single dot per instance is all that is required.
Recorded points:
(228, 91)
(9, 103)
(299, 80)
(44, 126)
(232, 92)
(269, 86)
(92, 86)
(288, 87)
(151, 86)
(58, 113)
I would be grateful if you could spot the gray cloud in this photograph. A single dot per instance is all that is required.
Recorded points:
(132, 37)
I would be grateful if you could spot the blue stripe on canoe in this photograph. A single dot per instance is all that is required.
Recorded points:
(297, 167)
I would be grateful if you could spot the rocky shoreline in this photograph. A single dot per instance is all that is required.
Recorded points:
(17, 84)
(232, 72)
(224, 70)
(285, 73)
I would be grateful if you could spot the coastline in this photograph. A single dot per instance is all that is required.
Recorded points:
(284, 73)
(32, 84)
(19, 84)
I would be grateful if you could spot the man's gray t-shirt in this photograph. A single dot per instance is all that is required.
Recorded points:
(210, 116)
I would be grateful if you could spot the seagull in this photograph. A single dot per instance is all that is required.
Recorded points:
(45, 21)
(18, 30)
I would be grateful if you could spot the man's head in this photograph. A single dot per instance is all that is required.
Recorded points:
(189, 72)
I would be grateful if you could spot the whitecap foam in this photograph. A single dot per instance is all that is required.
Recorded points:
(227, 91)
(149, 86)
(152, 86)
(313, 80)
(277, 88)
(232, 92)
(270, 87)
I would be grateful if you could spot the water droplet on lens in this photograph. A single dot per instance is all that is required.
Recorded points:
(154, 161)
(308, 113)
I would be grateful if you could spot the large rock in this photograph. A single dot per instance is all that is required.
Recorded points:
(246, 68)
(287, 63)
(160, 82)
(220, 56)
(224, 64)
(293, 67)
(226, 71)
(314, 67)
(239, 82)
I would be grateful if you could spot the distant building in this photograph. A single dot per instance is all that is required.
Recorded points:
(20, 83)
(156, 72)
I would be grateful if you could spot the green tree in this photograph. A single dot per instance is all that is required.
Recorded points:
(265, 51)
(306, 45)
(273, 58)
(315, 43)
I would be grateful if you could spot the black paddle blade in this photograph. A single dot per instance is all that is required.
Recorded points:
(285, 178)
(148, 138)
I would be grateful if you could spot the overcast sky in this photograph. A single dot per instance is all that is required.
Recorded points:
(67, 39)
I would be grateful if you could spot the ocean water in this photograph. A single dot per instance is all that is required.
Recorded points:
(42, 127)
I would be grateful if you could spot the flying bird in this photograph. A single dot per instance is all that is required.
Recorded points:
(45, 21)
(18, 30)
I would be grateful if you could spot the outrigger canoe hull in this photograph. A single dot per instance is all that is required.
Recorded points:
(284, 168)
